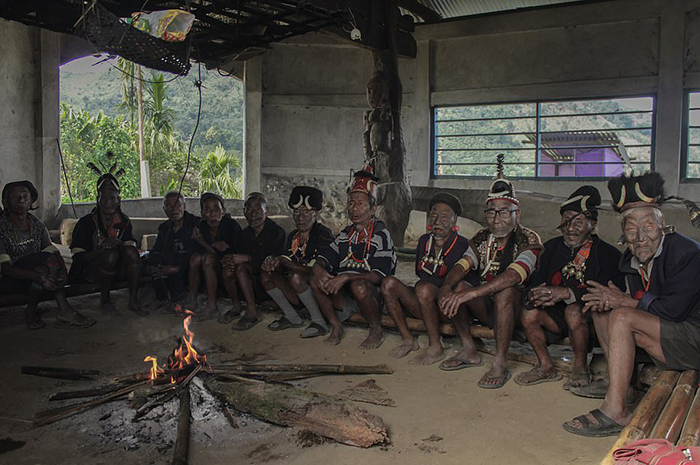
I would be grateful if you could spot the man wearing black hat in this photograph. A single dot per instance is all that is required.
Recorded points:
(29, 263)
(104, 247)
(216, 238)
(554, 304)
(262, 238)
(348, 273)
(662, 312)
(437, 252)
(505, 255)
(169, 260)
(286, 277)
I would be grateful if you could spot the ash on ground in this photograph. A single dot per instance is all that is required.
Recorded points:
(113, 425)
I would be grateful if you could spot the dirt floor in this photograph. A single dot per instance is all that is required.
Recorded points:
(439, 416)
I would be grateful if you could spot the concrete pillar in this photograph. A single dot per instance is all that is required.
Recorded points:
(669, 103)
(29, 112)
(252, 126)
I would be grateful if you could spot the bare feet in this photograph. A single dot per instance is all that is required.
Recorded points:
(374, 339)
(337, 334)
(406, 347)
(429, 356)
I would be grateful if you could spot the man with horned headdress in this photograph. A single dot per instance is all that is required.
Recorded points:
(286, 277)
(505, 255)
(554, 306)
(661, 314)
(29, 262)
(437, 252)
(348, 273)
(104, 247)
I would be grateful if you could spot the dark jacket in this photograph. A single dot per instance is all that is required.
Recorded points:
(229, 231)
(179, 243)
(320, 237)
(674, 285)
(602, 266)
(270, 241)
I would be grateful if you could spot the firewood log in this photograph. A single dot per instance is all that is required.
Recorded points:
(290, 406)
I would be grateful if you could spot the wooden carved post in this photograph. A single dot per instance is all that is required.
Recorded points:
(384, 145)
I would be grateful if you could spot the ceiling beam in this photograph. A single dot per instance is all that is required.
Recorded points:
(428, 14)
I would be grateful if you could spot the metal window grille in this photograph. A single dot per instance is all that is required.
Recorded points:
(582, 139)
(692, 139)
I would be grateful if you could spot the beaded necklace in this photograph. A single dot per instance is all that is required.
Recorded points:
(355, 238)
(576, 268)
(492, 250)
(25, 242)
(438, 261)
(299, 247)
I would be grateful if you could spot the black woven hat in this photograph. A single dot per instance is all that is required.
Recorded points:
(449, 200)
(210, 195)
(501, 188)
(646, 190)
(585, 199)
(307, 196)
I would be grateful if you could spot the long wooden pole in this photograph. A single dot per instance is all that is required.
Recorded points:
(670, 422)
(304, 368)
(182, 443)
(646, 413)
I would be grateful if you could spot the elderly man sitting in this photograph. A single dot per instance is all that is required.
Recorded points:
(29, 263)
(505, 254)
(436, 254)
(662, 313)
(348, 274)
(554, 308)
(286, 277)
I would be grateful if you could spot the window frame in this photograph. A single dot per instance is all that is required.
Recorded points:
(685, 143)
(433, 138)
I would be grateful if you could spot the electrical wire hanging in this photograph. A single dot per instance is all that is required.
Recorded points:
(198, 85)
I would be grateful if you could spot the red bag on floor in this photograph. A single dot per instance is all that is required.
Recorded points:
(656, 452)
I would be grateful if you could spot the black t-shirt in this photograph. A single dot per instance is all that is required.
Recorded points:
(180, 241)
(229, 231)
(270, 241)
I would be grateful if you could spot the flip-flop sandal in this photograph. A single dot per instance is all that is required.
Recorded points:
(245, 323)
(228, 317)
(283, 323)
(36, 323)
(80, 321)
(206, 315)
(313, 330)
(505, 378)
(606, 426)
(593, 390)
(520, 378)
(445, 366)
(582, 379)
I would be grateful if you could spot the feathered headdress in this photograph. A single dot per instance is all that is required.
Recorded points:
(501, 188)
(629, 191)
(106, 175)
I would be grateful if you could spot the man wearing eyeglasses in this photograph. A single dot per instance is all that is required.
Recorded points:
(505, 255)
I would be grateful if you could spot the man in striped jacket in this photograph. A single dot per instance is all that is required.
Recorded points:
(348, 273)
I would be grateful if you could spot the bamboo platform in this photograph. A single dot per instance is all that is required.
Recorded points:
(670, 410)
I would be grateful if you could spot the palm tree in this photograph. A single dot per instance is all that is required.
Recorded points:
(216, 174)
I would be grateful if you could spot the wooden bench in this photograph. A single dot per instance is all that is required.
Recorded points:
(669, 410)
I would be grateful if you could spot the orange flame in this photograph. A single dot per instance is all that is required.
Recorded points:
(155, 370)
(185, 355)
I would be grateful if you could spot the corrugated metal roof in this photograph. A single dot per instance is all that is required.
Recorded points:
(456, 8)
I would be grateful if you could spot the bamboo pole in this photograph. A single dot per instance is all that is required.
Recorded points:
(671, 420)
(240, 368)
(88, 405)
(646, 413)
(414, 324)
(690, 434)
(183, 429)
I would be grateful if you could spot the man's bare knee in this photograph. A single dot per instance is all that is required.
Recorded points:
(209, 260)
(390, 285)
(360, 289)
(531, 318)
(297, 280)
(574, 316)
(426, 292)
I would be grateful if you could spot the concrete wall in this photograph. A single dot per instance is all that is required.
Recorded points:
(313, 93)
(29, 111)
